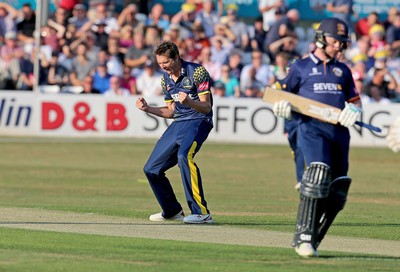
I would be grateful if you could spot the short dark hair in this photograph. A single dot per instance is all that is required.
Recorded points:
(167, 48)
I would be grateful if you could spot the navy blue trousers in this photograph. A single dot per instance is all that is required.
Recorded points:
(291, 131)
(178, 145)
(327, 143)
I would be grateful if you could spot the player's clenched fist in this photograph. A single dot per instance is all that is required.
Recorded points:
(182, 97)
(282, 109)
(141, 104)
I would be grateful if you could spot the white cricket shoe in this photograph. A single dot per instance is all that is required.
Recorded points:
(159, 218)
(198, 219)
(306, 250)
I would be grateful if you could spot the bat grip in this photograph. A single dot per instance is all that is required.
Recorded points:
(368, 126)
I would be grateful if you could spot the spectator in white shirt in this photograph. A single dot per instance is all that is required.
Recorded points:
(148, 82)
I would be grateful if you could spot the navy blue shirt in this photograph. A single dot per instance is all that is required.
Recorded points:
(193, 80)
(330, 83)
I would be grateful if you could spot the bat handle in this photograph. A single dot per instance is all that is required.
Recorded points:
(368, 126)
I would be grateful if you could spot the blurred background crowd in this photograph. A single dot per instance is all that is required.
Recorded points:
(95, 47)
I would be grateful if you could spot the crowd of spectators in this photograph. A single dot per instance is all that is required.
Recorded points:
(92, 48)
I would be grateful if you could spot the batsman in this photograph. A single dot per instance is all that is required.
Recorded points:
(325, 146)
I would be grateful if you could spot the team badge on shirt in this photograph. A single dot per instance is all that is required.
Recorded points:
(337, 72)
(187, 83)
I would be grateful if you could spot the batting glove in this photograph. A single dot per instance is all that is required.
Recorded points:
(282, 109)
(349, 115)
(393, 137)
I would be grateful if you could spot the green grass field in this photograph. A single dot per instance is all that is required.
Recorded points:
(247, 186)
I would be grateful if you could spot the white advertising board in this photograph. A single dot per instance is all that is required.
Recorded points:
(244, 120)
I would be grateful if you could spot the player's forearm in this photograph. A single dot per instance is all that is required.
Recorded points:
(164, 112)
(199, 106)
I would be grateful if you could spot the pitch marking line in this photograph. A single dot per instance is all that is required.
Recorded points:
(59, 221)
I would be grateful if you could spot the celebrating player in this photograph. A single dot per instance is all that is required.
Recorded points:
(325, 146)
(188, 99)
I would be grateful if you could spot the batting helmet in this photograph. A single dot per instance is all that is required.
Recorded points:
(332, 27)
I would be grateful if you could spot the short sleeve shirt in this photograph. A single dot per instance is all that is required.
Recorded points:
(195, 81)
(330, 83)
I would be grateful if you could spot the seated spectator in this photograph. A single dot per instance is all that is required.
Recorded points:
(220, 50)
(92, 47)
(65, 57)
(376, 39)
(128, 81)
(79, 16)
(8, 15)
(280, 67)
(391, 13)
(185, 18)
(384, 80)
(256, 71)
(207, 17)
(359, 52)
(283, 30)
(376, 96)
(99, 13)
(156, 17)
(9, 74)
(253, 89)
(70, 35)
(125, 38)
(51, 36)
(231, 84)
(152, 36)
(190, 51)
(59, 17)
(148, 83)
(87, 84)
(174, 35)
(235, 63)
(393, 36)
(218, 90)
(26, 79)
(101, 78)
(10, 49)
(115, 88)
(238, 28)
(81, 66)
(130, 16)
(138, 54)
(287, 45)
(100, 33)
(199, 36)
(115, 61)
(26, 27)
(58, 74)
(258, 35)
(213, 68)
(363, 25)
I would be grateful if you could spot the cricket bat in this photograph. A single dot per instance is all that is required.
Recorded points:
(309, 107)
